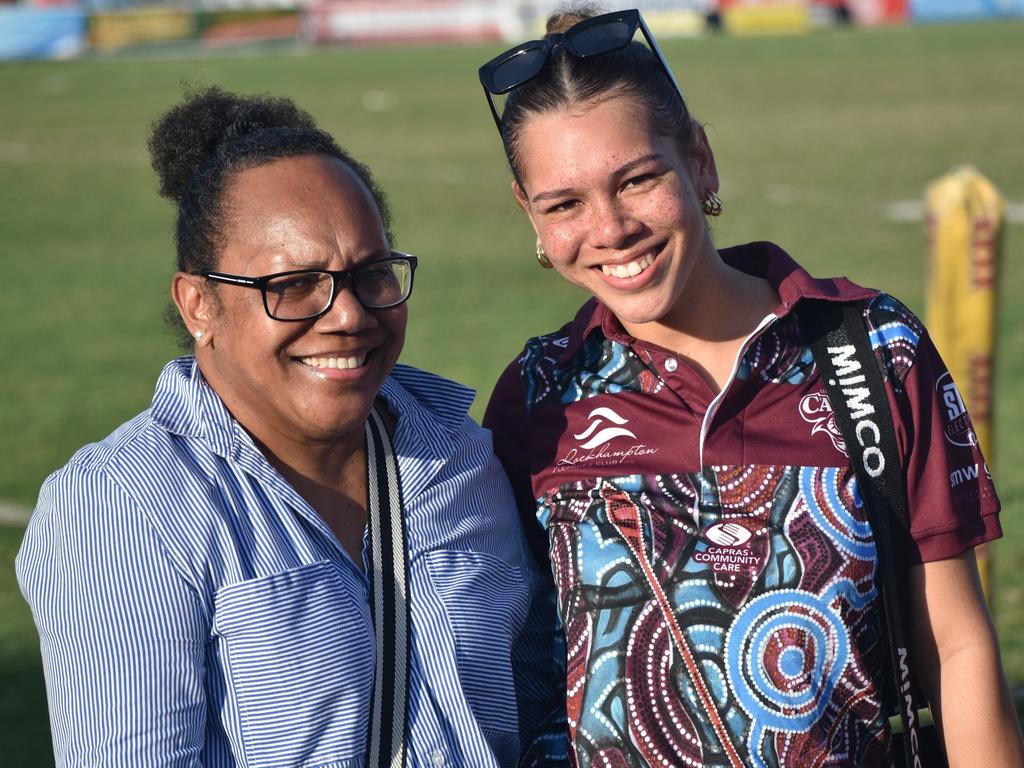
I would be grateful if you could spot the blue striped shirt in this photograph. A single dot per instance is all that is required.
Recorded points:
(193, 609)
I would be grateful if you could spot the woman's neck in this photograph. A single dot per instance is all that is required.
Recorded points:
(712, 319)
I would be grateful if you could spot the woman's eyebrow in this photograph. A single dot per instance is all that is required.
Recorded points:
(554, 194)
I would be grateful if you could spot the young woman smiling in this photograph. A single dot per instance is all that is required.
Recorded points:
(675, 456)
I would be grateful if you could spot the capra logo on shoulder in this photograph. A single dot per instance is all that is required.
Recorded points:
(727, 534)
(958, 430)
(604, 434)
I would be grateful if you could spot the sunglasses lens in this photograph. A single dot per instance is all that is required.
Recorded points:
(516, 69)
(602, 38)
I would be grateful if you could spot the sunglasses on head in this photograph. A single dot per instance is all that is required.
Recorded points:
(590, 37)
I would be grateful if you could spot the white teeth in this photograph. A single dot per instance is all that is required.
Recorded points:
(334, 362)
(632, 269)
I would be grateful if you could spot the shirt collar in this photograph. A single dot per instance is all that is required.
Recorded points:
(791, 281)
(184, 404)
(432, 408)
(428, 406)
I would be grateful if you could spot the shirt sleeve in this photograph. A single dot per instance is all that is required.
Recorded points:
(122, 634)
(538, 656)
(951, 500)
(508, 420)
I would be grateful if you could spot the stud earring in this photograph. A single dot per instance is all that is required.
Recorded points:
(200, 335)
(711, 204)
(542, 257)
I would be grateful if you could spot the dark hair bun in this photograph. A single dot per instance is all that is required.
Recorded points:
(187, 136)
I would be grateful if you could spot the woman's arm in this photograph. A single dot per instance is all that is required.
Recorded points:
(123, 637)
(956, 659)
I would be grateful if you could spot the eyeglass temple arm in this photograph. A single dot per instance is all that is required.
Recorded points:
(221, 277)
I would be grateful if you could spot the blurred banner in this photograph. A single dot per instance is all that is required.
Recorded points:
(959, 10)
(765, 17)
(119, 29)
(965, 226)
(871, 12)
(230, 27)
(41, 33)
(399, 21)
(666, 18)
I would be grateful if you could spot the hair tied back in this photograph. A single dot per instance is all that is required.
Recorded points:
(238, 129)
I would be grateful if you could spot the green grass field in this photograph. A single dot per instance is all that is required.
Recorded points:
(814, 136)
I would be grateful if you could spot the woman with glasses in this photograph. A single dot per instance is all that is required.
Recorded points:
(676, 458)
(303, 554)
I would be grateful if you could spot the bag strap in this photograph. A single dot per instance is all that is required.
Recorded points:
(849, 370)
(389, 602)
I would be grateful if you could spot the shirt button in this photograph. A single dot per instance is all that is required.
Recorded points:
(671, 364)
(437, 758)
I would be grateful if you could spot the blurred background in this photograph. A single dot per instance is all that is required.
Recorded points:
(828, 120)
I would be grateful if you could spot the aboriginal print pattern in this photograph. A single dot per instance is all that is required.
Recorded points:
(727, 617)
(599, 367)
(722, 619)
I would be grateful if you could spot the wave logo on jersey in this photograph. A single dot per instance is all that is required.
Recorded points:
(958, 430)
(816, 410)
(598, 418)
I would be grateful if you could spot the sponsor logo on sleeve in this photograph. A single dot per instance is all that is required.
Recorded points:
(958, 429)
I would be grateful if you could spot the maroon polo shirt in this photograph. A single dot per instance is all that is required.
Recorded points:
(714, 564)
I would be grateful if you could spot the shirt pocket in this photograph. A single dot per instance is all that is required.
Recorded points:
(486, 601)
(300, 662)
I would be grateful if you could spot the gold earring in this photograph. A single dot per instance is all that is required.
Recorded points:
(542, 258)
(711, 204)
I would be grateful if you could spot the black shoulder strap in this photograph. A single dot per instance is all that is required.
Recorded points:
(849, 370)
(389, 601)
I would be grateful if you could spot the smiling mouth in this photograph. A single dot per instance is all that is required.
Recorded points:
(630, 269)
(341, 363)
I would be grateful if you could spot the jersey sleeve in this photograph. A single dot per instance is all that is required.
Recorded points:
(122, 634)
(951, 499)
(507, 418)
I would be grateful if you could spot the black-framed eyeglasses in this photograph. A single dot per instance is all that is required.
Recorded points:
(590, 37)
(304, 294)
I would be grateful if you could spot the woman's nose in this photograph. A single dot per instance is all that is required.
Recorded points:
(346, 313)
(615, 225)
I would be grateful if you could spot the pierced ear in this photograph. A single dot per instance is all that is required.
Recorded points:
(524, 202)
(704, 168)
(195, 305)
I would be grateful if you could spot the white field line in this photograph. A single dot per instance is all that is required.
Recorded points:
(13, 514)
(913, 211)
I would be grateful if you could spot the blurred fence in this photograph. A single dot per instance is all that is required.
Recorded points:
(67, 28)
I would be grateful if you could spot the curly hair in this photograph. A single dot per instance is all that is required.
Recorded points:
(198, 146)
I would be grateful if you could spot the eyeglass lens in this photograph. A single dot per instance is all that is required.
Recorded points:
(307, 294)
